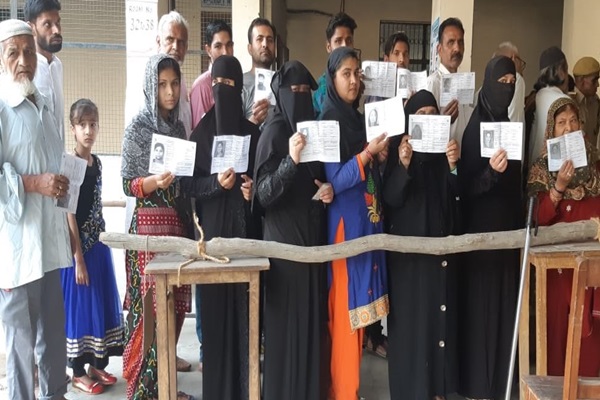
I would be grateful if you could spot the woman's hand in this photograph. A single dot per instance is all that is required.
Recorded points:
(452, 153)
(296, 144)
(226, 179)
(155, 182)
(326, 191)
(378, 144)
(247, 187)
(499, 161)
(565, 175)
(383, 155)
(81, 274)
(405, 152)
(163, 180)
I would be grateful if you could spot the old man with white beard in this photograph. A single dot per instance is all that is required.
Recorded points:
(34, 236)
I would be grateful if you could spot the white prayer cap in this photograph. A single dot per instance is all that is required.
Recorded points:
(14, 27)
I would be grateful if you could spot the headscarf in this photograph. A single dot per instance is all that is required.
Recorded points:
(226, 117)
(138, 135)
(586, 180)
(492, 106)
(352, 128)
(495, 97)
(228, 100)
(422, 98)
(291, 108)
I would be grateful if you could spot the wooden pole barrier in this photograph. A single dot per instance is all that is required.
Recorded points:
(558, 233)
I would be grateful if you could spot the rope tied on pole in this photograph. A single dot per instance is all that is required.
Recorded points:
(202, 255)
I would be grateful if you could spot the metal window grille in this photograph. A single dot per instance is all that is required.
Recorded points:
(94, 56)
(418, 35)
(206, 17)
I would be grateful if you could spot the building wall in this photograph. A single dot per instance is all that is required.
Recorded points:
(531, 25)
(306, 30)
(580, 30)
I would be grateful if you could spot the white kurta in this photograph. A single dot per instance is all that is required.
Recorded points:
(516, 109)
(49, 81)
(543, 100)
(457, 129)
(34, 235)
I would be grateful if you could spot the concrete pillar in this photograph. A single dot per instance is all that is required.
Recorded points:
(462, 9)
(580, 30)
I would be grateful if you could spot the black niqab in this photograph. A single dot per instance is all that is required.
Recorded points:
(475, 173)
(228, 100)
(495, 97)
(352, 128)
(292, 107)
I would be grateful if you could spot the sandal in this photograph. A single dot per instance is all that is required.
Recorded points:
(92, 388)
(102, 376)
(182, 365)
(380, 350)
(184, 396)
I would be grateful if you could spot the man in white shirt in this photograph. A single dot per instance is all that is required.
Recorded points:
(450, 48)
(44, 18)
(172, 39)
(34, 235)
(261, 47)
(551, 85)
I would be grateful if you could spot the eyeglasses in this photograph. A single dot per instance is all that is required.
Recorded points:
(522, 62)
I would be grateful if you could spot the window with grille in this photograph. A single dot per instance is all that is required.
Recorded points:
(206, 18)
(418, 35)
(94, 56)
(5, 12)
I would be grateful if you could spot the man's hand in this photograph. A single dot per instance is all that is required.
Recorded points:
(452, 110)
(51, 185)
(260, 109)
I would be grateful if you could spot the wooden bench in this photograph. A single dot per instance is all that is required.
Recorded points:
(570, 387)
(164, 268)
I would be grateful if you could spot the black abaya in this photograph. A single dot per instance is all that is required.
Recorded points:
(422, 324)
(295, 309)
(488, 279)
(224, 213)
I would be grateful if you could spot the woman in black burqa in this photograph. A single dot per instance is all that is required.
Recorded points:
(492, 199)
(421, 199)
(296, 303)
(223, 207)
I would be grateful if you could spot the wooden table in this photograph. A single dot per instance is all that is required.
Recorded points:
(164, 268)
(544, 258)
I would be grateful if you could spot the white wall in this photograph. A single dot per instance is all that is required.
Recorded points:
(532, 25)
(581, 30)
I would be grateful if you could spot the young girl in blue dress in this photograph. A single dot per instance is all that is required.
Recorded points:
(94, 318)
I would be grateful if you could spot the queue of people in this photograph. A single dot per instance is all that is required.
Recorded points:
(450, 318)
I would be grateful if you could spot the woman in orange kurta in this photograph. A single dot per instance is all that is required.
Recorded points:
(357, 285)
